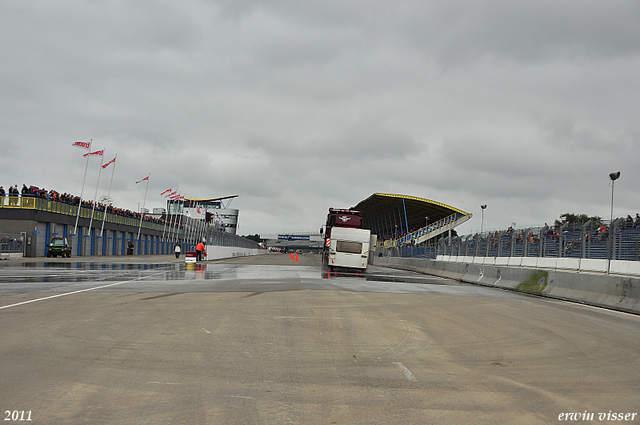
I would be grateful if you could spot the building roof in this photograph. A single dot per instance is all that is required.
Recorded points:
(211, 199)
(388, 210)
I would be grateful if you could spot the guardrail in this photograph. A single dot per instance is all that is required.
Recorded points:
(36, 203)
(186, 228)
(11, 245)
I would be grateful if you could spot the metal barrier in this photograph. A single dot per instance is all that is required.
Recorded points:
(592, 240)
(11, 244)
(407, 252)
(185, 229)
(59, 207)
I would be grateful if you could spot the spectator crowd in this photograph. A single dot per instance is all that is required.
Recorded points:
(13, 193)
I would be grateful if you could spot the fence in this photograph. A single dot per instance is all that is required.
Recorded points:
(178, 228)
(11, 244)
(591, 240)
(408, 252)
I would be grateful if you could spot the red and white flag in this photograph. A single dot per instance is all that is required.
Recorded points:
(97, 153)
(166, 191)
(83, 145)
(110, 162)
(140, 181)
(175, 196)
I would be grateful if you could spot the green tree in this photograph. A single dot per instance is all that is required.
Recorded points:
(255, 238)
(578, 218)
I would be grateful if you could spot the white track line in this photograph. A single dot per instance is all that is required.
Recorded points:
(74, 292)
(406, 371)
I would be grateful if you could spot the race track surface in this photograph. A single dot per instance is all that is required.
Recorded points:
(271, 340)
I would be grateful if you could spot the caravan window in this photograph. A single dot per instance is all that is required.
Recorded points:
(349, 247)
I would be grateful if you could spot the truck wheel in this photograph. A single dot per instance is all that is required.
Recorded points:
(48, 255)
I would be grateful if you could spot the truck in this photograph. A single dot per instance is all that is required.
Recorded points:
(59, 246)
(346, 243)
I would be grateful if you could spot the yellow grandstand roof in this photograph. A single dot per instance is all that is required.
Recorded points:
(403, 211)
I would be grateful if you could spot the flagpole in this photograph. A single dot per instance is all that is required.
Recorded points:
(181, 198)
(166, 216)
(95, 195)
(164, 227)
(144, 202)
(175, 221)
(171, 216)
(75, 229)
(104, 217)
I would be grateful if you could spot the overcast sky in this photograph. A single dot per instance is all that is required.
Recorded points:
(298, 106)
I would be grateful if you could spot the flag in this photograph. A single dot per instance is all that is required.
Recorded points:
(110, 162)
(83, 145)
(175, 196)
(97, 153)
(170, 194)
(140, 181)
(168, 190)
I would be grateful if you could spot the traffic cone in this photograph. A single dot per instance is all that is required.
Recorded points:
(296, 257)
(291, 255)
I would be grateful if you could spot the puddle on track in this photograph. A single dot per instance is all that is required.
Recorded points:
(105, 272)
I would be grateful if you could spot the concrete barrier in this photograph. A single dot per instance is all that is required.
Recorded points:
(615, 292)
(591, 265)
(625, 267)
(610, 291)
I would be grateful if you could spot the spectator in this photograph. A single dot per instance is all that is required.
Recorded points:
(629, 223)
(602, 232)
(636, 223)
(13, 195)
(573, 245)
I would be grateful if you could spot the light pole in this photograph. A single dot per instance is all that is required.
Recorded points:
(613, 177)
(482, 225)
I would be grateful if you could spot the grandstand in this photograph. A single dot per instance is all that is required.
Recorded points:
(408, 220)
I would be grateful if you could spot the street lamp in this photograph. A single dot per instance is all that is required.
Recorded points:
(613, 177)
(482, 226)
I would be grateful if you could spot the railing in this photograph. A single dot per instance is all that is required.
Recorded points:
(188, 228)
(11, 244)
(41, 204)
(591, 240)
(408, 252)
(415, 235)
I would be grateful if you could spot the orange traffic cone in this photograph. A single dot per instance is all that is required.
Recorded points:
(296, 257)
(291, 255)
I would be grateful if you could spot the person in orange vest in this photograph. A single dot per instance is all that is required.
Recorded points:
(199, 250)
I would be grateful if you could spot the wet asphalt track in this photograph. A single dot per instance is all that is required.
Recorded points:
(268, 340)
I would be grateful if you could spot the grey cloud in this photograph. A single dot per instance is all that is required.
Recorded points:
(458, 101)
